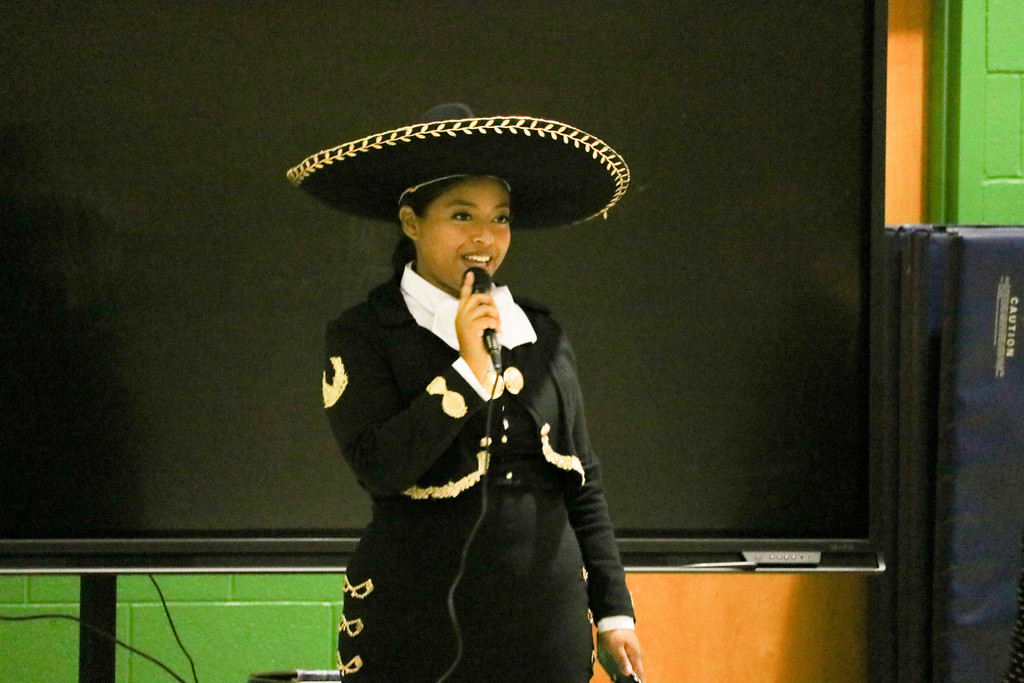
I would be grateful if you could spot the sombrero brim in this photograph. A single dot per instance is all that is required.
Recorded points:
(558, 174)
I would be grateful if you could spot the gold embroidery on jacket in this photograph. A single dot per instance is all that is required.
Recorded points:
(514, 379)
(452, 402)
(354, 665)
(562, 462)
(334, 390)
(452, 488)
(353, 627)
(492, 378)
(360, 591)
(511, 379)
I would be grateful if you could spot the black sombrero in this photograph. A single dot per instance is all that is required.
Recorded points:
(558, 174)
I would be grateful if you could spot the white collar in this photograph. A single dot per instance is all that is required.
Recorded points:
(435, 310)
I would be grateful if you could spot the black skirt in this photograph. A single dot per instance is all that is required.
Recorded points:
(521, 603)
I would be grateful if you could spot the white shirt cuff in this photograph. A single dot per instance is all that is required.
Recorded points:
(612, 623)
(462, 367)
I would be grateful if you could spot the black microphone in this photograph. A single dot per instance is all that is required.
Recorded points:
(482, 285)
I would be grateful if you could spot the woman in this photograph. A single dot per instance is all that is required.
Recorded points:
(490, 538)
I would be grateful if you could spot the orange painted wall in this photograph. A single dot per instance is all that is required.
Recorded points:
(769, 629)
(792, 628)
(906, 166)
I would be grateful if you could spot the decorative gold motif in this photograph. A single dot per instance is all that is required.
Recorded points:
(354, 665)
(452, 488)
(489, 379)
(586, 574)
(562, 462)
(353, 627)
(569, 135)
(360, 591)
(511, 379)
(452, 402)
(514, 381)
(334, 390)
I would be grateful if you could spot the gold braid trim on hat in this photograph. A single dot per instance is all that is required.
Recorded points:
(452, 488)
(526, 125)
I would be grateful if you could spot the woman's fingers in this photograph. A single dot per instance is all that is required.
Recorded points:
(622, 647)
(467, 286)
(477, 310)
(635, 657)
(475, 314)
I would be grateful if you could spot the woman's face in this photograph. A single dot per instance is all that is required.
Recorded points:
(466, 226)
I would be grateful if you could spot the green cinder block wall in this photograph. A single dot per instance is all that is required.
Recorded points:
(232, 625)
(977, 113)
(1002, 194)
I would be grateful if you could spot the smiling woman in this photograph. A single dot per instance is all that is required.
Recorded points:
(485, 559)
(467, 225)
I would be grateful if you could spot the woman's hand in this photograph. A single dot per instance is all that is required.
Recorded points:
(620, 654)
(476, 313)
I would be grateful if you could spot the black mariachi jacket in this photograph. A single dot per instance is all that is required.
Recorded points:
(398, 408)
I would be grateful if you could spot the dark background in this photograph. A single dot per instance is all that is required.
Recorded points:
(165, 288)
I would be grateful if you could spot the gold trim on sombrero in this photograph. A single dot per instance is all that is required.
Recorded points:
(452, 488)
(498, 125)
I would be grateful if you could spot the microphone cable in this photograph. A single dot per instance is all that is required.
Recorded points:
(472, 535)
(170, 621)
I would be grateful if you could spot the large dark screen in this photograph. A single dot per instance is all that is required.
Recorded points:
(165, 289)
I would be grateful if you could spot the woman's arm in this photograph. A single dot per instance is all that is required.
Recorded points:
(389, 445)
(588, 512)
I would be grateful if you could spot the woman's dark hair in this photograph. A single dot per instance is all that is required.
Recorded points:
(404, 252)
(418, 201)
